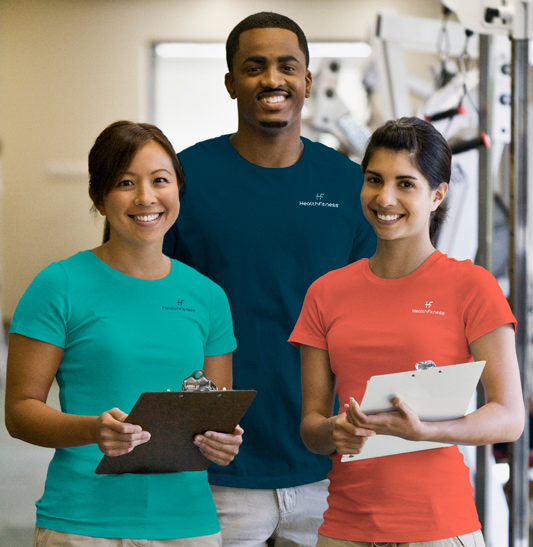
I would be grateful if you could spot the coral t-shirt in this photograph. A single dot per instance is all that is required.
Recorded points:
(371, 326)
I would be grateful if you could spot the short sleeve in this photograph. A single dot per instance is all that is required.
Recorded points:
(309, 329)
(42, 311)
(221, 338)
(483, 304)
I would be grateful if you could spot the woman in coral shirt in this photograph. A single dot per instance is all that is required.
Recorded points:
(364, 319)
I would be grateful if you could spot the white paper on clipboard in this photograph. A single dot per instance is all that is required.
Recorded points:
(434, 394)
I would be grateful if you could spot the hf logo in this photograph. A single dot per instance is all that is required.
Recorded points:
(179, 307)
(428, 309)
(319, 202)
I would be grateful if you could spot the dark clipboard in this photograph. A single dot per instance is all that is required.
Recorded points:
(173, 418)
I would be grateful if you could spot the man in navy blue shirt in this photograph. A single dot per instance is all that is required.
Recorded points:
(265, 213)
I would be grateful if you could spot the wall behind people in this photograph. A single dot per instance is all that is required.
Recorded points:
(69, 67)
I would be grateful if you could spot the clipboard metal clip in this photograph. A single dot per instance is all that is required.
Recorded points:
(198, 381)
(424, 365)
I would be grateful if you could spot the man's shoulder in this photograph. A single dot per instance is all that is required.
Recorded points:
(208, 145)
(318, 152)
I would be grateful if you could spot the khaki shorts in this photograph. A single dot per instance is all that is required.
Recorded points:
(43, 537)
(285, 516)
(468, 540)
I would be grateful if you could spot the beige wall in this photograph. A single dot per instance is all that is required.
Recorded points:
(70, 67)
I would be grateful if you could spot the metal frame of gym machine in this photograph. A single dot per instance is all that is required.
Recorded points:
(487, 18)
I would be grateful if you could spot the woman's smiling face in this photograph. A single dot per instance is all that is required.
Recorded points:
(396, 198)
(143, 205)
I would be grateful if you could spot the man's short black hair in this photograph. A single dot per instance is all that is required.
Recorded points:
(264, 19)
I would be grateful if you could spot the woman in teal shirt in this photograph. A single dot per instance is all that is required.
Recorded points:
(107, 323)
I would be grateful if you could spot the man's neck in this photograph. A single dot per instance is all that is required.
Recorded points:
(273, 149)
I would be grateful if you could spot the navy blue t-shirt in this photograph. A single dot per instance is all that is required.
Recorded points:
(265, 235)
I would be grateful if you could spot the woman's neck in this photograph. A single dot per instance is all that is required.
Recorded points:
(395, 259)
(144, 262)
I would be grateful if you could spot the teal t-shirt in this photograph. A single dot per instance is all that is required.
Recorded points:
(123, 336)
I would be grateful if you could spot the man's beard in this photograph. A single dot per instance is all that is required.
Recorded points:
(274, 125)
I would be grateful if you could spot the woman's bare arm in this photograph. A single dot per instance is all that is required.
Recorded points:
(31, 368)
(321, 432)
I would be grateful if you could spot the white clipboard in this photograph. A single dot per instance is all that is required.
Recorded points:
(434, 394)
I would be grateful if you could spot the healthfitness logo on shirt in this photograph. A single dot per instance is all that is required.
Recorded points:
(319, 202)
(180, 307)
(429, 309)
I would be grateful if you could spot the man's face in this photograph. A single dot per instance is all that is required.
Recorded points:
(269, 79)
